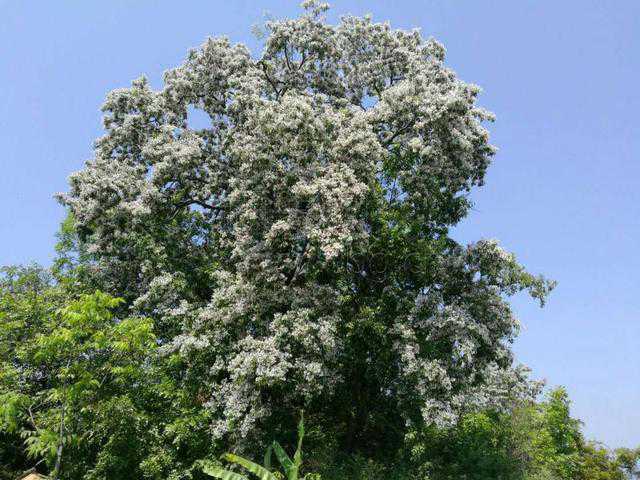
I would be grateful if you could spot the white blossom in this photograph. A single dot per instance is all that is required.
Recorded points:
(268, 244)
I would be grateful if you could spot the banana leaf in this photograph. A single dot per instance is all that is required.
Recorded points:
(218, 472)
(258, 470)
(284, 460)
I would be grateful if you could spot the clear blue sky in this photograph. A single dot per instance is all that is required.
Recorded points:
(561, 76)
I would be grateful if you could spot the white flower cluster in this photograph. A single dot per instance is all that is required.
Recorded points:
(252, 242)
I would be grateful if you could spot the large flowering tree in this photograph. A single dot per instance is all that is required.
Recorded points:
(295, 252)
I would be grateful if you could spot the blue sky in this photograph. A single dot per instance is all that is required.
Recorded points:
(563, 193)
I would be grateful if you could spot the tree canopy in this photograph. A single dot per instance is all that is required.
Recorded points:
(296, 251)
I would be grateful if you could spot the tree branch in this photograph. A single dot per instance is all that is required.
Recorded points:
(299, 261)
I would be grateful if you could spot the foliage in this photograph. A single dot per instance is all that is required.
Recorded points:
(293, 254)
(66, 367)
(291, 467)
(629, 461)
(79, 390)
(534, 441)
(26, 299)
(296, 252)
(531, 441)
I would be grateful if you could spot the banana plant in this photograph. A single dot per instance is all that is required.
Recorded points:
(291, 467)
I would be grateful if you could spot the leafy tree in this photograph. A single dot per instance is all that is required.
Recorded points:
(86, 389)
(295, 252)
(69, 376)
(26, 300)
(629, 461)
(533, 441)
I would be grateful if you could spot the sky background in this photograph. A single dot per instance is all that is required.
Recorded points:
(562, 194)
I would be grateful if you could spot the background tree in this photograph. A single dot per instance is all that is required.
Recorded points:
(74, 370)
(532, 441)
(26, 299)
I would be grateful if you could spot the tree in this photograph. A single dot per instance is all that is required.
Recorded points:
(296, 251)
(72, 380)
(533, 441)
(629, 461)
(26, 300)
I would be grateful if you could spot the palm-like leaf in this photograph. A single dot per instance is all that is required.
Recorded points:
(259, 471)
(284, 460)
(218, 472)
(267, 458)
(290, 467)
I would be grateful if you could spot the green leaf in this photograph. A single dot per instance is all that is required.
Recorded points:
(297, 457)
(267, 458)
(259, 471)
(283, 458)
(218, 472)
